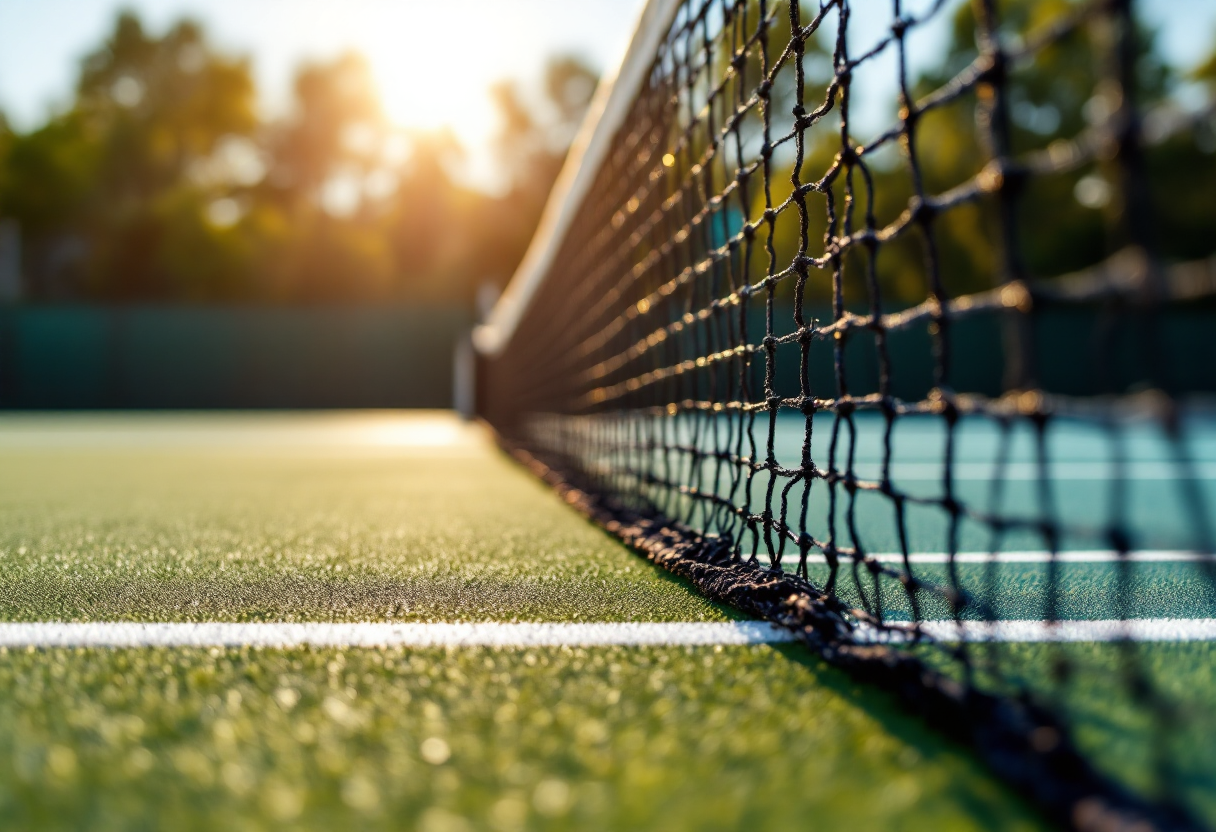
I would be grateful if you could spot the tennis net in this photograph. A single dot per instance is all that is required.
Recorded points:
(841, 311)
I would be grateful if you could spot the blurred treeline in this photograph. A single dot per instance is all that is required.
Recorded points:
(162, 182)
(1066, 221)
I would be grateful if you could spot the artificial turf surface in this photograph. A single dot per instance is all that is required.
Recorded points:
(106, 518)
(383, 517)
(306, 518)
(609, 738)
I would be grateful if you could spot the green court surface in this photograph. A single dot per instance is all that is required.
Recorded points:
(623, 738)
(298, 518)
(390, 517)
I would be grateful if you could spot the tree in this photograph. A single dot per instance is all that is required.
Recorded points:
(338, 126)
(1182, 173)
(162, 183)
(97, 189)
(532, 145)
(48, 185)
(1062, 226)
(1206, 71)
(160, 104)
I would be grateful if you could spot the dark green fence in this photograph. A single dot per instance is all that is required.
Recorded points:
(175, 357)
(1075, 351)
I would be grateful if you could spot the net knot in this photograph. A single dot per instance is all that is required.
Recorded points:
(830, 554)
(1002, 176)
(1051, 535)
(949, 410)
(921, 211)
(992, 69)
(1017, 295)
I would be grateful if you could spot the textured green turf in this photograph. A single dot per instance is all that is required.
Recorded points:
(756, 738)
(328, 518)
(298, 518)
(275, 517)
(1159, 743)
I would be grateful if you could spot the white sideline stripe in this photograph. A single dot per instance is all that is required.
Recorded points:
(376, 634)
(1096, 556)
(1144, 629)
(372, 634)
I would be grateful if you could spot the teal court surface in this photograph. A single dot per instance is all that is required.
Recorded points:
(379, 621)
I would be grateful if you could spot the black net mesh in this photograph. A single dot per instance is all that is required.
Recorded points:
(890, 322)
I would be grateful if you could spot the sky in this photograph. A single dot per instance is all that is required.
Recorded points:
(433, 59)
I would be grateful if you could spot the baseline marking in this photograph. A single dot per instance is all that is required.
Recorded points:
(560, 634)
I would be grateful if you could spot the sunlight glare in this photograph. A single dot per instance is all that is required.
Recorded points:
(413, 431)
(431, 73)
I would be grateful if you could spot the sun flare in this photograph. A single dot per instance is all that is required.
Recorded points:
(429, 76)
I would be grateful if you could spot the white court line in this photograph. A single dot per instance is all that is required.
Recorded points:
(376, 634)
(1095, 556)
(371, 634)
(1143, 629)
(1058, 469)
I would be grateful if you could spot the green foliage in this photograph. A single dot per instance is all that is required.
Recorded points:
(1206, 71)
(48, 174)
(1058, 96)
(156, 105)
(163, 183)
(333, 101)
